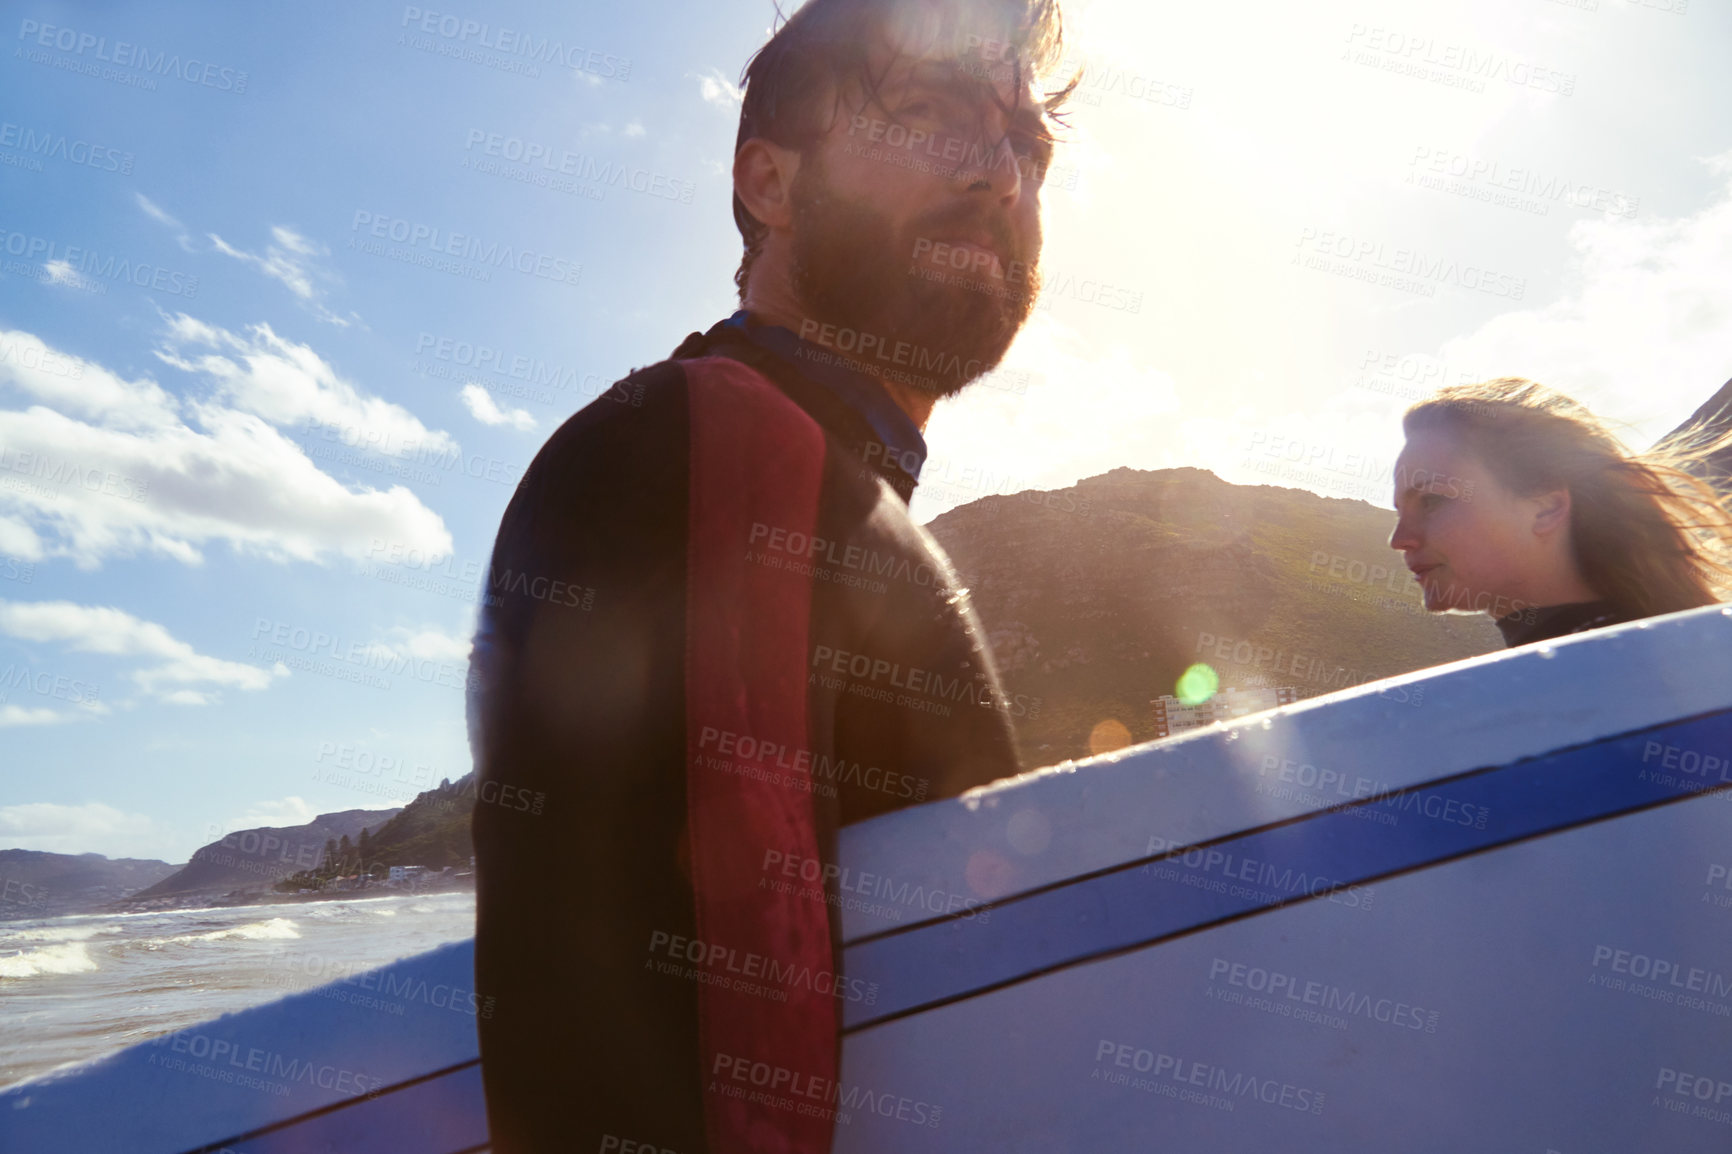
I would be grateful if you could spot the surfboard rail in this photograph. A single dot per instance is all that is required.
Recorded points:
(1185, 941)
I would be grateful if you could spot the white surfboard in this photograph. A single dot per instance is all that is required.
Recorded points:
(1486, 908)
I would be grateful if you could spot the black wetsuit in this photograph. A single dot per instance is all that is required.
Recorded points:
(1531, 625)
(713, 636)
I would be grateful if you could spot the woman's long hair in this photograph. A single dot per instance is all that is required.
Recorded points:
(1649, 532)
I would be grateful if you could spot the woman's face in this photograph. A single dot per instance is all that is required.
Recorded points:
(1471, 543)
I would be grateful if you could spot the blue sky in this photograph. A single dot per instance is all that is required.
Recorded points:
(280, 329)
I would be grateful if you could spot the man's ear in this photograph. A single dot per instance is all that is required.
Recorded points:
(1551, 512)
(764, 179)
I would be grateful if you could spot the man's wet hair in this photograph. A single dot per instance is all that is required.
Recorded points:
(795, 83)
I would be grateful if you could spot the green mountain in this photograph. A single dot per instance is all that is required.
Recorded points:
(431, 831)
(1097, 597)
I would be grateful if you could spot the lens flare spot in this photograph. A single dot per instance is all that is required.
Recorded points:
(1107, 736)
(1196, 685)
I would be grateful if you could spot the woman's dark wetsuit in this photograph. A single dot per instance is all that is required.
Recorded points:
(1531, 625)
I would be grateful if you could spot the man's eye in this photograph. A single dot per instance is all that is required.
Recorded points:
(1034, 148)
(1431, 501)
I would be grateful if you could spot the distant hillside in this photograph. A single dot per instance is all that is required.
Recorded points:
(256, 858)
(1097, 597)
(432, 830)
(35, 884)
(1712, 419)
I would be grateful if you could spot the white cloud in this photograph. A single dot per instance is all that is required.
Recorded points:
(289, 384)
(718, 90)
(288, 811)
(80, 387)
(633, 130)
(11, 715)
(115, 633)
(61, 273)
(89, 828)
(484, 409)
(289, 258)
(103, 466)
(1645, 336)
(427, 643)
(292, 260)
(156, 213)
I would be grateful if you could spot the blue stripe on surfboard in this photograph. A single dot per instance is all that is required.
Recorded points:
(1327, 854)
(444, 1112)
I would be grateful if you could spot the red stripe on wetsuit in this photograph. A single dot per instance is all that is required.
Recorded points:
(756, 459)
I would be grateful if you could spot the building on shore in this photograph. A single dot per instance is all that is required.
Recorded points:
(1174, 716)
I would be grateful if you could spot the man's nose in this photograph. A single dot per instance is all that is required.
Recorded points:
(999, 173)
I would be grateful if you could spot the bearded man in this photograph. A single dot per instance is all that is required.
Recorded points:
(714, 635)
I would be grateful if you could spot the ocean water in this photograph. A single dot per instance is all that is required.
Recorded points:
(78, 986)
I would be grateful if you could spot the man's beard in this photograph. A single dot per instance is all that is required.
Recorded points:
(852, 271)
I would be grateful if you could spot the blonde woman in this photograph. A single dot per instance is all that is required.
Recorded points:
(1515, 501)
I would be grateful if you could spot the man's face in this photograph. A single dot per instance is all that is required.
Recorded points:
(917, 216)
